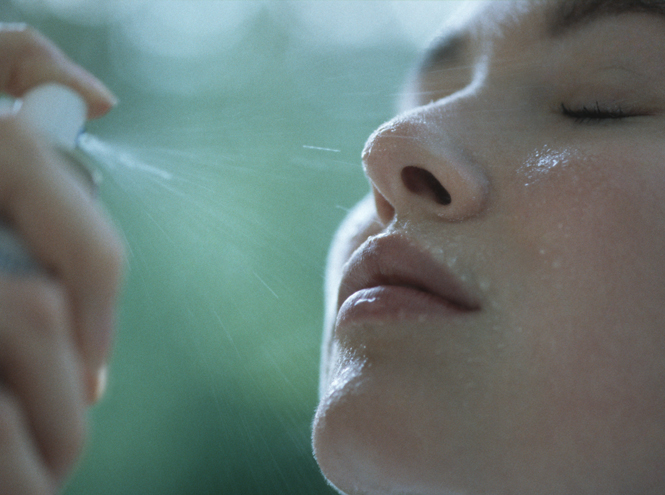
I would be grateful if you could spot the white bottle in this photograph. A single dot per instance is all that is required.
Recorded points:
(58, 113)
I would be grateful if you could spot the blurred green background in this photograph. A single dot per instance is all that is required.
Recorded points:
(231, 158)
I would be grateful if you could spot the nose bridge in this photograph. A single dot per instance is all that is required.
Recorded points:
(419, 164)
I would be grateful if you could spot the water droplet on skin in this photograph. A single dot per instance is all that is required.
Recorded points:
(484, 285)
(556, 264)
(542, 251)
(541, 163)
(364, 301)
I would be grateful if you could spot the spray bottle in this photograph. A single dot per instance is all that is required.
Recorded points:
(58, 113)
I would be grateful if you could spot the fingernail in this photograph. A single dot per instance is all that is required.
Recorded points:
(106, 100)
(99, 385)
(106, 93)
(103, 95)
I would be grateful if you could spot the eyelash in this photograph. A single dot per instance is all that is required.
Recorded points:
(593, 115)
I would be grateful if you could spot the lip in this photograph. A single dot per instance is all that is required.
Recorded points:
(390, 277)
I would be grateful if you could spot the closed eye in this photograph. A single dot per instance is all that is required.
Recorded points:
(593, 114)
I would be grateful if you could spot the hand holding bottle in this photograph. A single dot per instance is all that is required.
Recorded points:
(55, 326)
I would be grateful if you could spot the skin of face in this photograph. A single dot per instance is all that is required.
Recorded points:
(552, 148)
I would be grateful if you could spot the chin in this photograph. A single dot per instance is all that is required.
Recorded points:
(370, 443)
(375, 433)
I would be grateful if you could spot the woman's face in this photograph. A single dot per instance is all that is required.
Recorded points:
(497, 309)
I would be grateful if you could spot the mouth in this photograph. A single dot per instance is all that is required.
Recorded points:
(389, 277)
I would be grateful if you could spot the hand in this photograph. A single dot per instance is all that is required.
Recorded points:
(55, 328)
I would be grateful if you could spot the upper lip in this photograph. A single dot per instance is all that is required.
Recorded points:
(392, 259)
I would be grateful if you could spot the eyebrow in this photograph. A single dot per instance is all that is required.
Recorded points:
(572, 14)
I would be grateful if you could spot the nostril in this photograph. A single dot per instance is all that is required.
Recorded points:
(420, 181)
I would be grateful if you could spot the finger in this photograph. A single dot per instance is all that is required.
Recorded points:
(40, 366)
(68, 234)
(21, 469)
(28, 59)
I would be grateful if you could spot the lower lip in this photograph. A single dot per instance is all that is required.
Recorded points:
(396, 303)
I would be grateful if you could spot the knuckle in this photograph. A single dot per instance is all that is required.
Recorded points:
(30, 50)
(26, 34)
(30, 42)
(43, 309)
(106, 257)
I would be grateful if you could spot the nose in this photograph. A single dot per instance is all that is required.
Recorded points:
(416, 168)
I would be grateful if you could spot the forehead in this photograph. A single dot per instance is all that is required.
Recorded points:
(553, 19)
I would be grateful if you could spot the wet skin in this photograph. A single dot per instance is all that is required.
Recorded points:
(530, 356)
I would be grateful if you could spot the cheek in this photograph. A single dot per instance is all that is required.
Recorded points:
(592, 233)
(592, 239)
